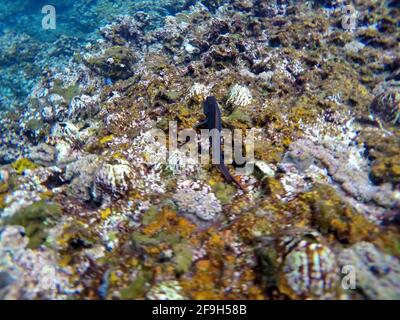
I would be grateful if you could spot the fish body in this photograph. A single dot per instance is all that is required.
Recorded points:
(214, 121)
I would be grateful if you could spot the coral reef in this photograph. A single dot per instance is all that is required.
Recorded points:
(95, 205)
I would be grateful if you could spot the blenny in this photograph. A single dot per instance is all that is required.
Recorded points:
(214, 121)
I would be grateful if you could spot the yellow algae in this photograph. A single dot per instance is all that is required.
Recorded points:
(106, 139)
(23, 164)
(105, 213)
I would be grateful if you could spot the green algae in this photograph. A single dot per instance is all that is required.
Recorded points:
(239, 118)
(4, 187)
(23, 164)
(224, 192)
(66, 92)
(138, 287)
(172, 95)
(182, 257)
(139, 239)
(36, 219)
(34, 124)
(150, 215)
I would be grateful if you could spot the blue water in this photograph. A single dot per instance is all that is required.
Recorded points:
(24, 44)
(77, 18)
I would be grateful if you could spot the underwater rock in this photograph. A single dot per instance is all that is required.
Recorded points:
(65, 153)
(47, 113)
(8, 155)
(21, 47)
(65, 137)
(301, 159)
(82, 107)
(190, 48)
(36, 219)
(295, 76)
(127, 29)
(13, 238)
(5, 281)
(219, 54)
(239, 96)
(115, 63)
(80, 174)
(27, 189)
(213, 5)
(42, 154)
(35, 130)
(265, 168)
(384, 152)
(66, 131)
(195, 198)
(295, 181)
(332, 214)
(35, 273)
(268, 9)
(377, 273)
(4, 177)
(347, 167)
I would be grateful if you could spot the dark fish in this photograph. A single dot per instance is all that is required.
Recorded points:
(214, 121)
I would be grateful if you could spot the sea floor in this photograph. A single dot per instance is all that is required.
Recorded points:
(93, 207)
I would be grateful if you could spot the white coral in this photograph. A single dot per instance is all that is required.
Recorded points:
(240, 96)
(115, 178)
(199, 92)
(166, 290)
(196, 198)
